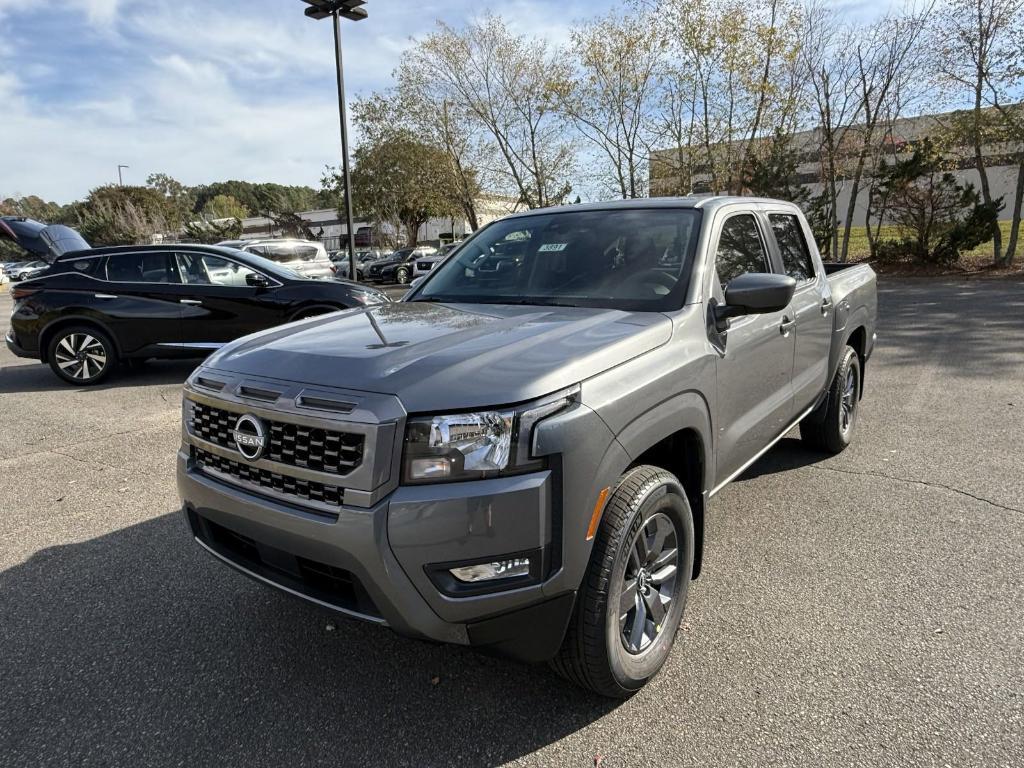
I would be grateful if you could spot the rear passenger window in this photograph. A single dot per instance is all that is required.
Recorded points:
(279, 253)
(306, 252)
(740, 249)
(796, 258)
(142, 268)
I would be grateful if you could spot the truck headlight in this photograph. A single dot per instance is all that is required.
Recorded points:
(476, 445)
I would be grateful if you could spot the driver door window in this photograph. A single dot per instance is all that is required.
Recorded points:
(741, 249)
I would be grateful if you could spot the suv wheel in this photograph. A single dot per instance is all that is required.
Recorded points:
(402, 275)
(81, 355)
(634, 592)
(830, 426)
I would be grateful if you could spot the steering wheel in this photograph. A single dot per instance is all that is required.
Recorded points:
(654, 278)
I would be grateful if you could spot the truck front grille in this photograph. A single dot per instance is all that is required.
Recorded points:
(306, 490)
(425, 265)
(322, 450)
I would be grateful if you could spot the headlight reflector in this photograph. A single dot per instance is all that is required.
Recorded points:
(476, 445)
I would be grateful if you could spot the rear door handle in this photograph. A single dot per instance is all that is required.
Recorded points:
(191, 301)
(104, 296)
(826, 305)
(786, 326)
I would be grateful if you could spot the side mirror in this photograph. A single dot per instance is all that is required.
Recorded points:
(415, 283)
(256, 280)
(755, 293)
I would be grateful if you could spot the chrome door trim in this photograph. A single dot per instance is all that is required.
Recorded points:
(759, 454)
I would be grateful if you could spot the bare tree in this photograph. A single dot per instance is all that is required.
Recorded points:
(887, 55)
(507, 83)
(450, 126)
(979, 45)
(829, 67)
(610, 96)
(734, 64)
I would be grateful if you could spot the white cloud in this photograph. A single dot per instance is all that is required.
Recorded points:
(202, 93)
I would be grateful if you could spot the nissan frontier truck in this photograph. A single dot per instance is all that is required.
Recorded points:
(521, 454)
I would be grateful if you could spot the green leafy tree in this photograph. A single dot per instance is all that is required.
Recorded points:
(938, 217)
(774, 173)
(122, 215)
(224, 207)
(404, 182)
(204, 230)
(178, 199)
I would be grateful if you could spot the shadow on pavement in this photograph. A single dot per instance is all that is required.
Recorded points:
(31, 376)
(789, 453)
(136, 648)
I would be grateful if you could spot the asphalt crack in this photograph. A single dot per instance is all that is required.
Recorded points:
(927, 483)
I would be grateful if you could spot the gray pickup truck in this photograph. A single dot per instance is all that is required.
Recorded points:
(520, 455)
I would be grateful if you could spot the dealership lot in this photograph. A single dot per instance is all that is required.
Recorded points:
(863, 609)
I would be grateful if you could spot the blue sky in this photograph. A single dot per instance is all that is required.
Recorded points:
(200, 90)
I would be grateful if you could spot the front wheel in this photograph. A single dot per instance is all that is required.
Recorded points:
(830, 426)
(81, 355)
(634, 592)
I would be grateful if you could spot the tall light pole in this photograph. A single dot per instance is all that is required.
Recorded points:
(338, 9)
(120, 181)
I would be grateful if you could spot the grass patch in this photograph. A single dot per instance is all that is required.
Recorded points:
(976, 259)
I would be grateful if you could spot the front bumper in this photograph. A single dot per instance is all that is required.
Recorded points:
(375, 562)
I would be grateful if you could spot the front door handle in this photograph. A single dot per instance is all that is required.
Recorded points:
(191, 301)
(104, 296)
(786, 326)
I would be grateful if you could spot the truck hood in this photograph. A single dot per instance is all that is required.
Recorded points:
(448, 356)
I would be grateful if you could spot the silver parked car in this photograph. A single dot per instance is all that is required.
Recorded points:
(307, 257)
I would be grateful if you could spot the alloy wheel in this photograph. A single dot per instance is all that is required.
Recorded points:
(848, 405)
(648, 584)
(81, 356)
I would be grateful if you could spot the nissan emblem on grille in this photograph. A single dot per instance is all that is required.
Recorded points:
(250, 436)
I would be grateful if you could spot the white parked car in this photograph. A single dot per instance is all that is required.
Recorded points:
(307, 257)
(424, 264)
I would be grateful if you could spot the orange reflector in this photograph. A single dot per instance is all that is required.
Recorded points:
(596, 517)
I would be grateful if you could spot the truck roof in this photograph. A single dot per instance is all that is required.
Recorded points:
(702, 203)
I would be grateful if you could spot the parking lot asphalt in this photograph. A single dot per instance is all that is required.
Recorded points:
(864, 609)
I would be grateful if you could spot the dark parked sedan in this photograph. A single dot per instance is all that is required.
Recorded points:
(397, 268)
(92, 308)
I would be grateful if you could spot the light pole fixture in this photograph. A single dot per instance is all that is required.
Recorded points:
(120, 181)
(337, 10)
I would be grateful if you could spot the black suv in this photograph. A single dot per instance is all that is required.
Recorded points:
(94, 307)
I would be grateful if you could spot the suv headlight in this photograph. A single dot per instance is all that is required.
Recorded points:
(477, 445)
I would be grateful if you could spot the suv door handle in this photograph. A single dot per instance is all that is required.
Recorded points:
(786, 326)
(104, 296)
(190, 301)
(826, 305)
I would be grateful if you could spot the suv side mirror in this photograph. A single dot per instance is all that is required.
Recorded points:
(754, 293)
(256, 280)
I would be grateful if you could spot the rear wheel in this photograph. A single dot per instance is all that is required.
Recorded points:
(402, 275)
(81, 355)
(830, 426)
(633, 595)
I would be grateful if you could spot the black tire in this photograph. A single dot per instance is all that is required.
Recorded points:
(829, 427)
(594, 653)
(402, 275)
(81, 355)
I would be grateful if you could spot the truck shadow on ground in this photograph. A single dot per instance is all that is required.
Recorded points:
(789, 453)
(138, 645)
(37, 377)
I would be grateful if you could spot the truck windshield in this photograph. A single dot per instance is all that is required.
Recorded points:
(630, 259)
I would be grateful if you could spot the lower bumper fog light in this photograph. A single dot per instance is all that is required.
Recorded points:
(500, 569)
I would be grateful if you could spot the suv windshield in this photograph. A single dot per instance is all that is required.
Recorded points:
(632, 259)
